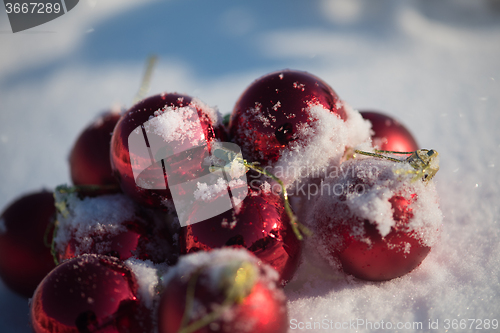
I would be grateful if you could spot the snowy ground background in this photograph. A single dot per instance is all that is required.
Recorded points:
(432, 64)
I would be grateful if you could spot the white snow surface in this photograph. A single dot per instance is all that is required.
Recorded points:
(433, 65)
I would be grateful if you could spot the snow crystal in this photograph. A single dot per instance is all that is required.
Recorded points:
(277, 106)
(300, 86)
(265, 187)
(216, 261)
(207, 192)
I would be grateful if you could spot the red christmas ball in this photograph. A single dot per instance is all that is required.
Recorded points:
(231, 286)
(269, 115)
(372, 224)
(383, 258)
(161, 137)
(90, 293)
(24, 257)
(121, 246)
(112, 225)
(389, 134)
(259, 224)
(89, 158)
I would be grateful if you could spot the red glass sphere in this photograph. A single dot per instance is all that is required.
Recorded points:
(389, 134)
(262, 309)
(365, 225)
(113, 225)
(89, 158)
(268, 115)
(138, 240)
(259, 224)
(90, 293)
(155, 127)
(385, 258)
(121, 246)
(25, 259)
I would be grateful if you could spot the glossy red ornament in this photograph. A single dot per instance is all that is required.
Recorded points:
(139, 240)
(272, 109)
(24, 257)
(89, 157)
(90, 293)
(142, 169)
(261, 306)
(134, 232)
(121, 246)
(259, 224)
(389, 134)
(385, 258)
(353, 242)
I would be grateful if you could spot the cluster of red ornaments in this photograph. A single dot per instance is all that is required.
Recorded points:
(143, 159)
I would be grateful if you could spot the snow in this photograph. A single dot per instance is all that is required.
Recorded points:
(89, 225)
(147, 274)
(363, 193)
(175, 124)
(207, 192)
(321, 143)
(212, 112)
(219, 267)
(83, 219)
(232, 271)
(432, 65)
(364, 189)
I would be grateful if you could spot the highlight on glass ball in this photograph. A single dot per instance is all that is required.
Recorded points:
(176, 222)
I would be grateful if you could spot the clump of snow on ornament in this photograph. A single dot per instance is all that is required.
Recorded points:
(224, 290)
(374, 221)
(321, 143)
(207, 192)
(111, 225)
(176, 124)
(211, 112)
